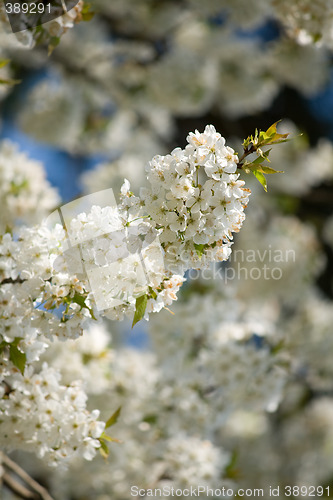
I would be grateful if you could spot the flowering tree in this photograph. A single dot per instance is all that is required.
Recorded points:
(234, 387)
(194, 204)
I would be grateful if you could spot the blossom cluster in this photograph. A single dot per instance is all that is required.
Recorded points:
(107, 259)
(61, 24)
(38, 412)
(175, 225)
(195, 200)
(144, 246)
(25, 194)
(88, 359)
(29, 282)
(40, 415)
(308, 22)
(225, 355)
(118, 259)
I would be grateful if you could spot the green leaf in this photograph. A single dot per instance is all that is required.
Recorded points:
(150, 419)
(87, 16)
(17, 357)
(257, 161)
(140, 308)
(316, 37)
(4, 81)
(54, 42)
(113, 419)
(272, 130)
(264, 169)
(86, 13)
(246, 143)
(231, 472)
(3, 345)
(277, 348)
(264, 154)
(269, 170)
(271, 136)
(199, 249)
(16, 341)
(258, 166)
(16, 188)
(4, 62)
(105, 437)
(81, 301)
(104, 450)
(261, 178)
(152, 293)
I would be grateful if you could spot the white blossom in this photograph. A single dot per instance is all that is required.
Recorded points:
(26, 196)
(49, 419)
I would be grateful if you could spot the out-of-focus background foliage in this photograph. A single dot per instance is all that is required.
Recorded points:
(129, 84)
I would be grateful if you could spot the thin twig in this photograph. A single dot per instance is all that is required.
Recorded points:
(246, 153)
(43, 493)
(18, 488)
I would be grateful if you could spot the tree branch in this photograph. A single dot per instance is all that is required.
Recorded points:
(17, 487)
(246, 153)
(11, 281)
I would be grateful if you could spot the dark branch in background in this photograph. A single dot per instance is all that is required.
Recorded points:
(9, 470)
(11, 281)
